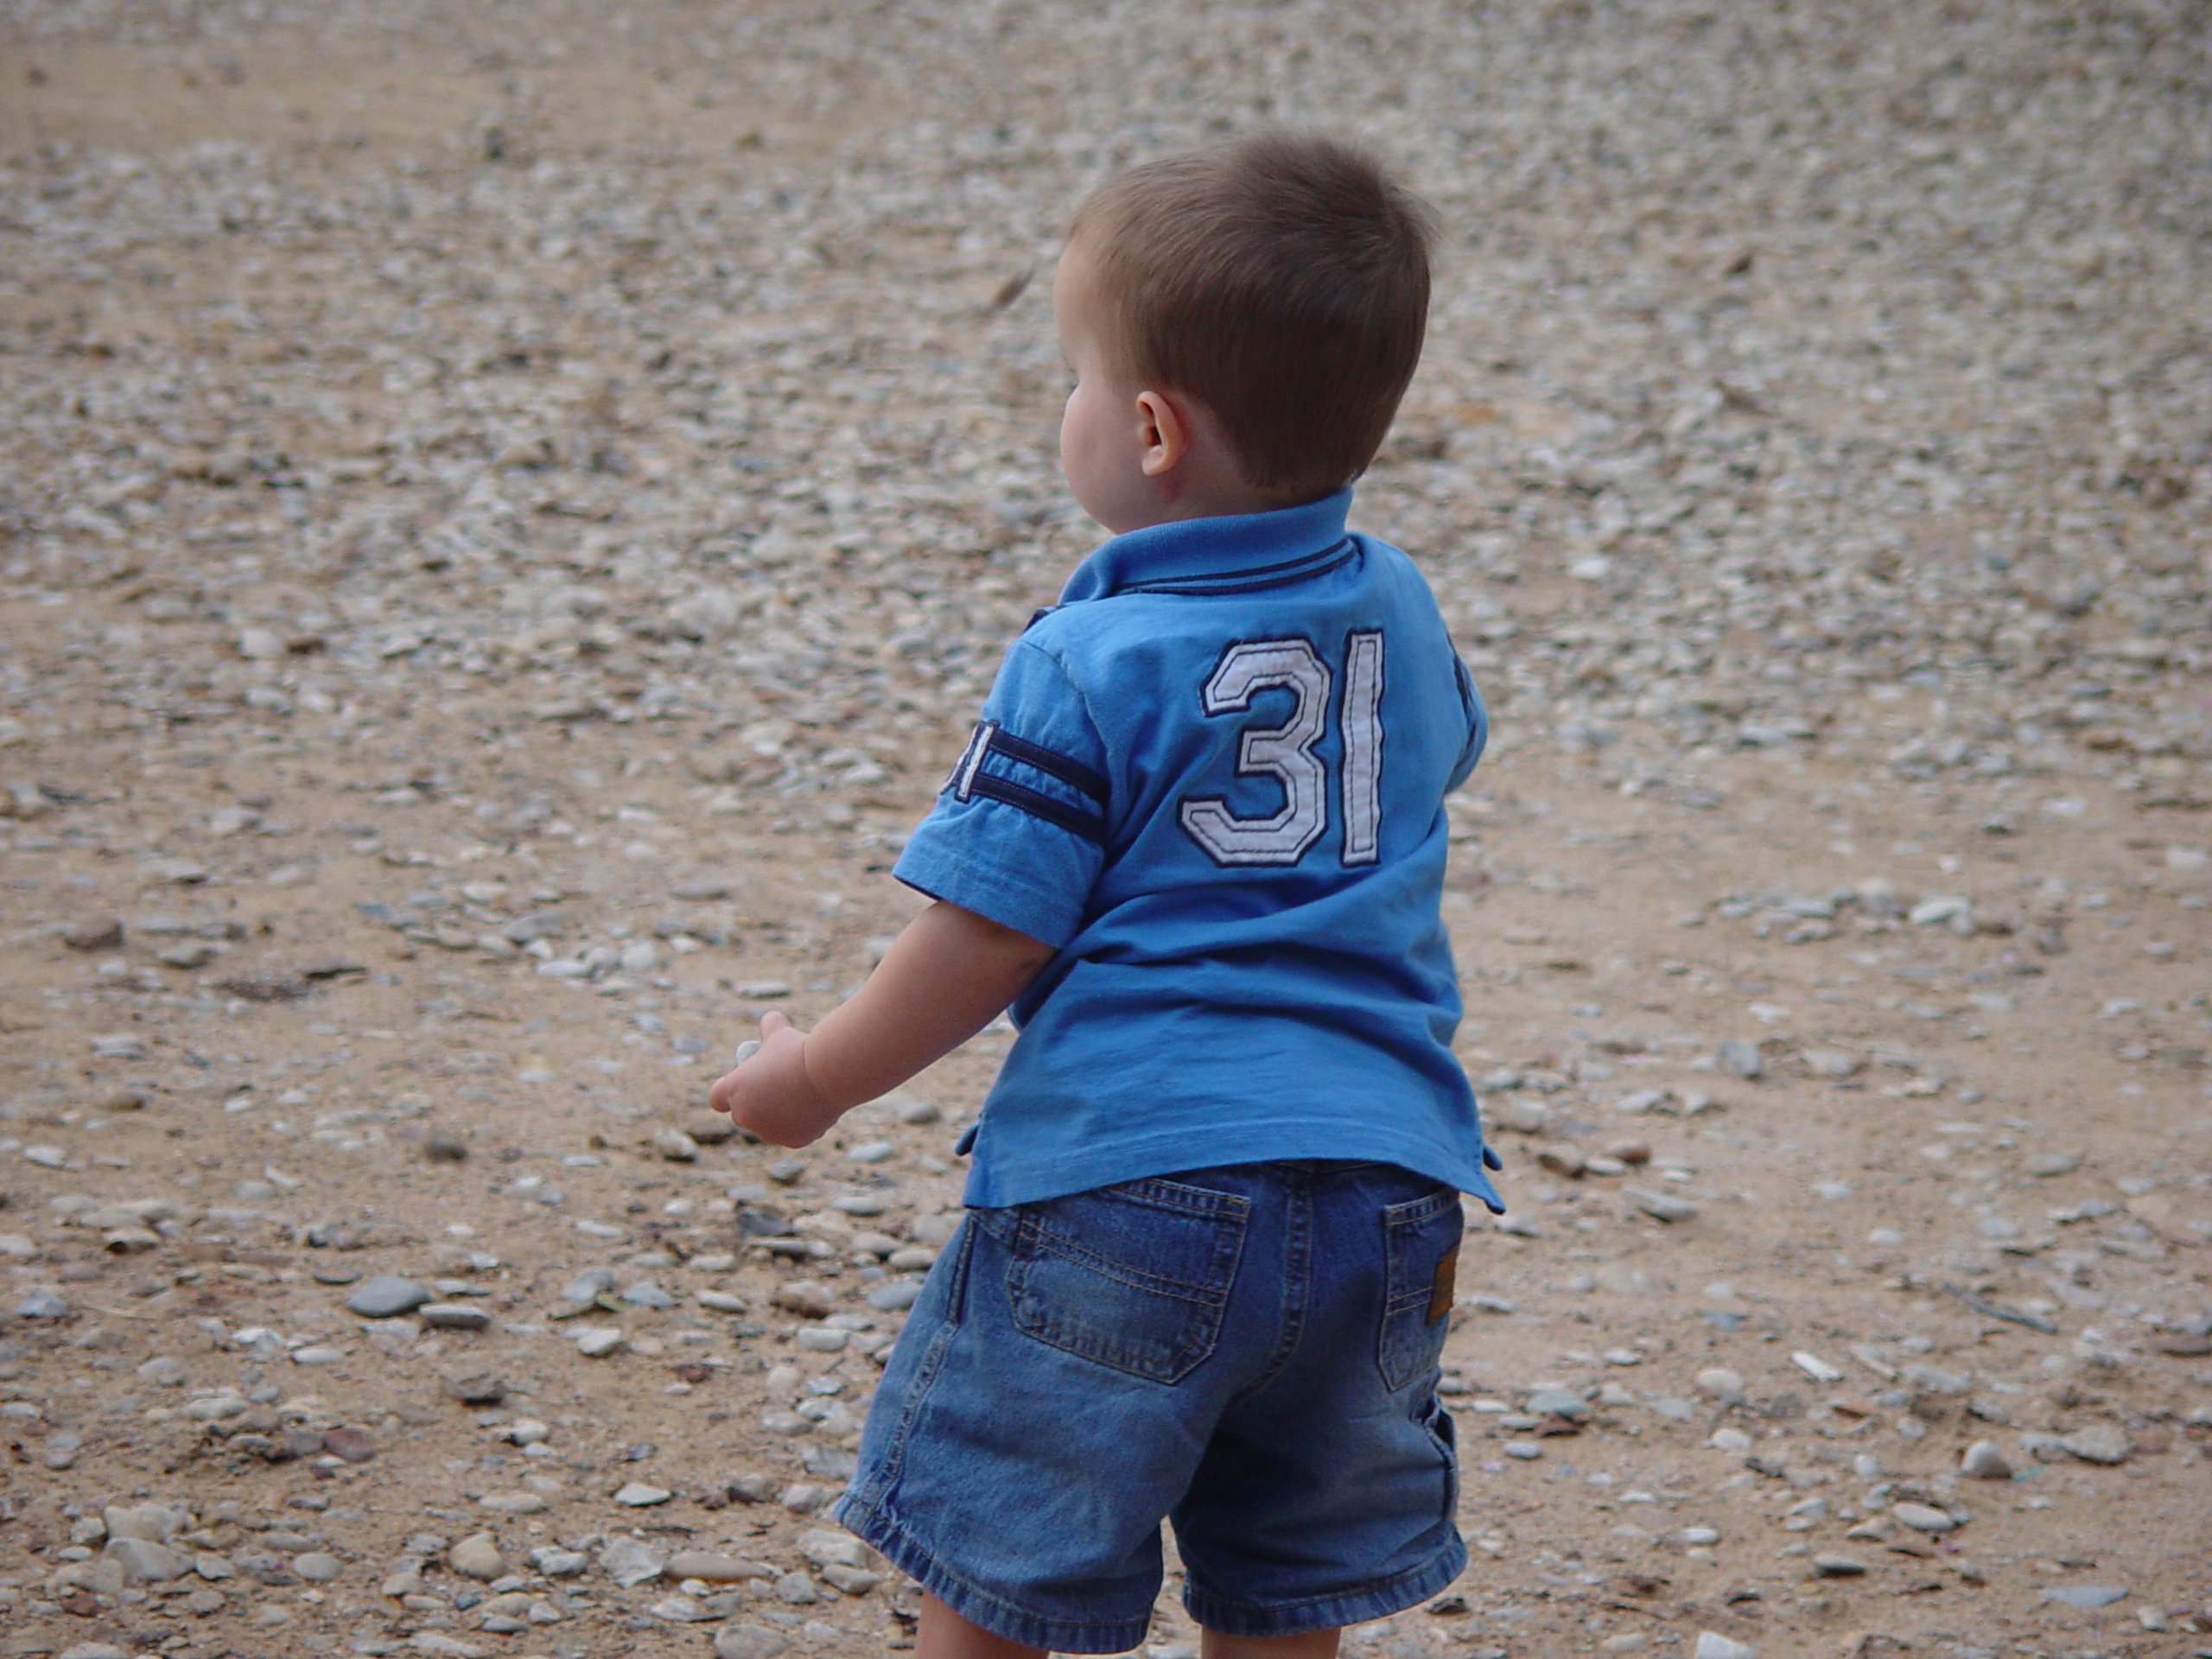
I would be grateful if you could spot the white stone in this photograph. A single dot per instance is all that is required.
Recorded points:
(1985, 1460)
(823, 1546)
(477, 1556)
(154, 1522)
(147, 1563)
(630, 1561)
(748, 1641)
(1923, 1517)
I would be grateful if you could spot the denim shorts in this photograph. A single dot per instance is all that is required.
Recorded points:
(1250, 1352)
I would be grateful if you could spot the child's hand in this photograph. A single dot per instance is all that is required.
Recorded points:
(937, 986)
(769, 1092)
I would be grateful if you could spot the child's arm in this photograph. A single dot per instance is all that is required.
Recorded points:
(945, 979)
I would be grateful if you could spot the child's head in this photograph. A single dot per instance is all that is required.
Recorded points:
(1281, 282)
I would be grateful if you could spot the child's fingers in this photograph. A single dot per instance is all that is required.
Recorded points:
(723, 1095)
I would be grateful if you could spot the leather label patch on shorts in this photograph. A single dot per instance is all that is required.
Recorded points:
(1440, 1288)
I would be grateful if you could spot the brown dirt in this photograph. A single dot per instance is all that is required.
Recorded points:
(387, 385)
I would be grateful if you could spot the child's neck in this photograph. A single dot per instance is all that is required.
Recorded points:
(1223, 498)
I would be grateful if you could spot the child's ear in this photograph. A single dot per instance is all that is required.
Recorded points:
(1165, 436)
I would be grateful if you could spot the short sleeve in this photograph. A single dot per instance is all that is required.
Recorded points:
(1470, 703)
(1018, 831)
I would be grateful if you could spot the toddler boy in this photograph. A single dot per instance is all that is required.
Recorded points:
(1197, 841)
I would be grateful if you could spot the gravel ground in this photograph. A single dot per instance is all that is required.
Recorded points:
(506, 512)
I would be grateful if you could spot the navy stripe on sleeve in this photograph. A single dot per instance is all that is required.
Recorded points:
(969, 779)
(1088, 825)
(1073, 774)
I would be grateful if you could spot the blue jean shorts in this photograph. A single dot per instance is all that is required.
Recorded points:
(1250, 1352)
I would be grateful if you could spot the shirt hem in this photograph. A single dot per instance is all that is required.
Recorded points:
(993, 1184)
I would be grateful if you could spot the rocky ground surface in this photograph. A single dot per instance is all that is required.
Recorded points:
(505, 512)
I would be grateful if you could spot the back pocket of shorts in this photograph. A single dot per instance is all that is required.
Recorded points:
(1135, 1277)
(1420, 1249)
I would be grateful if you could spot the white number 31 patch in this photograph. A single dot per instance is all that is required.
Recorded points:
(1285, 753)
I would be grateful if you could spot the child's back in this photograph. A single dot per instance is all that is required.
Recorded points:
(1242, 731)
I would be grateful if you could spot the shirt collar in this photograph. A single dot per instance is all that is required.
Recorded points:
(1207, 552)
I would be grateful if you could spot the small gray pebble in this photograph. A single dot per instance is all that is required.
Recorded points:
(455, 1316)
(747, 1642)
(1985, 1461)
(1740, 1059)
(387, 1296)
(1661, 1207)
(1558, 1402)
(2099, 1443)
(587, 1284)
(2085, 1595)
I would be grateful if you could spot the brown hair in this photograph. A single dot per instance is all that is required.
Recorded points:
(1281, 280)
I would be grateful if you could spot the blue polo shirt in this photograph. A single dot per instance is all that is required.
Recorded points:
(1213, 777)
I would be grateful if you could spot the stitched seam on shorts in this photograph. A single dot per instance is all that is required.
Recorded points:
(1381, 1587)
(1299, 1230)
(1168, 1364)
(1398, 1362)
(1164, 1362)
(887, 1529)
(1177, 1195)
(1399, 1222)
(1449, 1450)
(1033, 1236)
(1415, 1212)
(1136, 1278)
(925, 1372)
